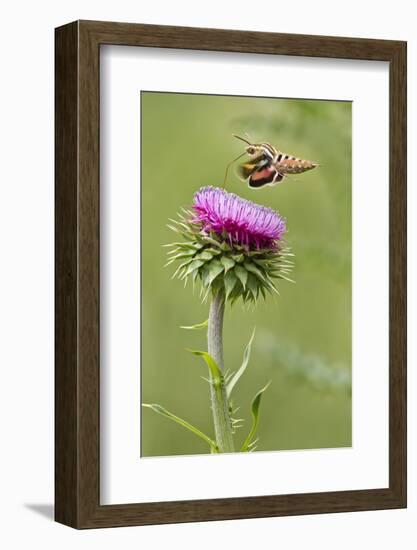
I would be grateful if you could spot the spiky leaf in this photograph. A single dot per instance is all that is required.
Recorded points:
(198, 326)
(215, 267)
(255, 419)
(196, 264)
(241, 274)
(230, 281)
(214, 369)
(235, 376)
(164, 412)
(227, 262)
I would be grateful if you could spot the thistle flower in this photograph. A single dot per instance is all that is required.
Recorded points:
(230, 244)
(243, 221)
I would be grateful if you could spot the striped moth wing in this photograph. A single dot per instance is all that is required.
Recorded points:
(246, 169)
(265, 176)
(260, 172)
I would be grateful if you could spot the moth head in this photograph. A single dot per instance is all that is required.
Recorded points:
(251, 149)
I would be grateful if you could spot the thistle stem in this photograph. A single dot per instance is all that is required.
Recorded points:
(219, 401)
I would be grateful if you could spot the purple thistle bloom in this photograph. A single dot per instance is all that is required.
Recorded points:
(245, 222)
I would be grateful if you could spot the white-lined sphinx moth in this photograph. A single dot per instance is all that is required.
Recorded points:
(267, 165)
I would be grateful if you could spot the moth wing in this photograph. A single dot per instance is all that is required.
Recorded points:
(265, 176)
(246, 169)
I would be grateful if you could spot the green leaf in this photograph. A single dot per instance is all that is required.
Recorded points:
(255, 415)
(227, 262)
(269, 285)
(241, 274)
(204, 324)
(184, 254)
(281, 276)
(262, 262)
(253, 285)
(213, 251)
(214, 369)
(230, 281)
(214, 268)
(178, 223)
(181, 267)
(205, 276)
(204, 255)
(176, 250)
(225, 246)
(175, 258)
(164, 412)
(195, 264)
(255, 270)
(212, 241)
(235, 377)
(238, 257)
(183, 247)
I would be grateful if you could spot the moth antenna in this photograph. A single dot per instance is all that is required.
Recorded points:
(229, 165)
(242, 139)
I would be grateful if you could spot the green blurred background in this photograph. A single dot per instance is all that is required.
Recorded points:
(303, 337)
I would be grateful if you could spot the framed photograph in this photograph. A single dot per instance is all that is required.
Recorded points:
(230, 274)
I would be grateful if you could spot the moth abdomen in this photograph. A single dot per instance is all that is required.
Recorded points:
(294, 165)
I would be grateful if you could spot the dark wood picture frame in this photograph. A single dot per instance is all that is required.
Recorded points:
(77, 374)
